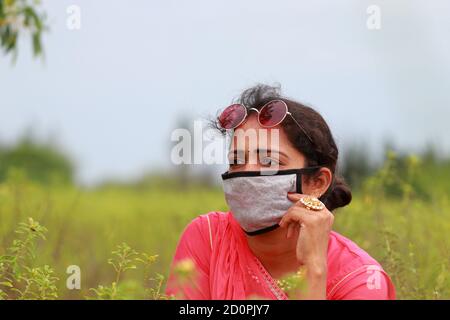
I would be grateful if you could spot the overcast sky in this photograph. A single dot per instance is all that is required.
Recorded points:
(111, 92)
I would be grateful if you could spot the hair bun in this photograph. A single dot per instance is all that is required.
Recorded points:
(339, 195)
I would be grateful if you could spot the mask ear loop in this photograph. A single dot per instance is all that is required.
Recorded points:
(298, 183)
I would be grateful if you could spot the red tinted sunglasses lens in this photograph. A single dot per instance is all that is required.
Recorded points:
(272, 113)
(232, 116)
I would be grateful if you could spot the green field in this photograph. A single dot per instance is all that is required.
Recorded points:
(401, 216)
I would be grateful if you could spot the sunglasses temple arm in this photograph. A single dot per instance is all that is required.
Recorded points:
(301, 128)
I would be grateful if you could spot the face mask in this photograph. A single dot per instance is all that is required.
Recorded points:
(257, 200)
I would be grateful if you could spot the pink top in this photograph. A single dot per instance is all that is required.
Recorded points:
(227, 269)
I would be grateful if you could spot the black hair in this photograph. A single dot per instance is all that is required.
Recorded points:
(321, 151)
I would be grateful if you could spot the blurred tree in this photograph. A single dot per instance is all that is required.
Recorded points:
(42, 163)
(356, 165)
(18, 16)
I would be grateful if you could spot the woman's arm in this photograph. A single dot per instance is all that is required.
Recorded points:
(369, 282)
(316, 281)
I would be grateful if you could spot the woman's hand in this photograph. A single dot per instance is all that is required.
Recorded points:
(312, 244)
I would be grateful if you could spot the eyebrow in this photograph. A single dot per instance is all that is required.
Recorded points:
(259, 151)
(270, 151)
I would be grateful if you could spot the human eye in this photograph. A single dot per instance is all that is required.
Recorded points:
(269, 161)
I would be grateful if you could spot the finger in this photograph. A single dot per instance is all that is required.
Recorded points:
(290, 231)
(293, 215)
(299, 215)
(294, 197)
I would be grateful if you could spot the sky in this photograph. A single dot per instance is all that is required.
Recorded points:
(112, 92)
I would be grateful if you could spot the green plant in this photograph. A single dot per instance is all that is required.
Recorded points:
(19, 279)
(17, 16)
(406, 232)
(152, 292)
(125, 258)
(40, 162)
(403, 222)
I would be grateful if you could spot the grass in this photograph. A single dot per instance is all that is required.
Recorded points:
(391, 217)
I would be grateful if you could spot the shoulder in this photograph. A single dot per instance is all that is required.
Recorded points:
(352, 271)
(196, 240)
(345, 253)
(213, 220)
(207, 225)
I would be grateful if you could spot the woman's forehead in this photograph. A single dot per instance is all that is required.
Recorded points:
(254, 139)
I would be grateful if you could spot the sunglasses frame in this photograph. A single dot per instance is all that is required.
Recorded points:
(287, 112)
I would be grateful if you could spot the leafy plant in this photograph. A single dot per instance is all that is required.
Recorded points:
(17, 16)
(153, 292)
(125, 258)
(19, 279)
(407, 232)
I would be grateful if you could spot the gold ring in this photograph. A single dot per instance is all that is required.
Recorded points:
(312, 203)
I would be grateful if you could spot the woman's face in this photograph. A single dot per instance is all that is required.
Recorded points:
(256, 148)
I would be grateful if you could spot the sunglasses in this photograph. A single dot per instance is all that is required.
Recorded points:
(270, 115)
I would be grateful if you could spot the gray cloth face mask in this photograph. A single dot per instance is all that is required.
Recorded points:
(257, 200)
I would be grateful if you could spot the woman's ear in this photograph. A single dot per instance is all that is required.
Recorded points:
(322, 180)
(318, 184)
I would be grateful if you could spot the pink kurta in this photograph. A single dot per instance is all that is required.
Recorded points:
(226, 268)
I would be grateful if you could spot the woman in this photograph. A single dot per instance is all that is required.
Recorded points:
(281, 190)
